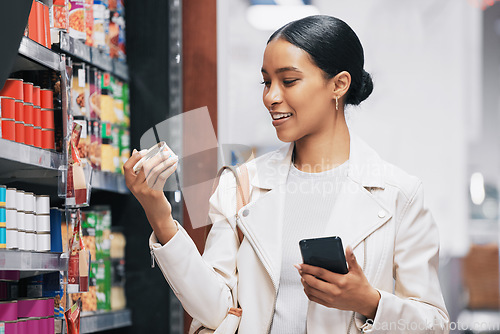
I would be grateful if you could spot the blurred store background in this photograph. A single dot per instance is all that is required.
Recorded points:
(434, 111)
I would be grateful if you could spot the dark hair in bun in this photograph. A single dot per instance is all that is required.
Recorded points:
(334, 47)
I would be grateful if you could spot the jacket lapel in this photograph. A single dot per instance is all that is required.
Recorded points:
(356, 213)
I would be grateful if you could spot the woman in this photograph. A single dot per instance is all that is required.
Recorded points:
(312, 68)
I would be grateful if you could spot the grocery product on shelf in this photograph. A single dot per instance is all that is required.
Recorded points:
(27, 219)
(23, 120)
(38, 28)
(79, 262)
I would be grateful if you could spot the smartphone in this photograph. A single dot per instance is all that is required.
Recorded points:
(326, 253)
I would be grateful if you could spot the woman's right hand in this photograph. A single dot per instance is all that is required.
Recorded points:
(147, 187)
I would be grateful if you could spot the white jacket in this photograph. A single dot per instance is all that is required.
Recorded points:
(383, 216)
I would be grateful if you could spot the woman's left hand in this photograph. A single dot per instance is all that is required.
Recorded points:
(351, 291)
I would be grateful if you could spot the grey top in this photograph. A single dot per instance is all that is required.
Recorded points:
(308, 206)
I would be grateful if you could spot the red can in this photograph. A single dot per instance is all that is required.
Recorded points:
(8, 129)
(13, 88)
(46, 21)
(37, 116)
(7, 107)
(28, 113)
(19, 109)
(29, 134)
(36, 95)
(47, 118)
(28, 92)
(37, 138)
(48, 139)
(19, 132)
(46, 99)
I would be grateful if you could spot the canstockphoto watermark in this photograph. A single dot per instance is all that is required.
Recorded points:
(405, 326)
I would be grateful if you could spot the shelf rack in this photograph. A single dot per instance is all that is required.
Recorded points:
(20, 161)
(32, 261)
(93, 56)
(109, 181)
(23, 162)
(92, 322)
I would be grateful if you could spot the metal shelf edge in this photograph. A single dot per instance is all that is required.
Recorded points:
(96, 322)
(39, 54)
(29, 155)
(32, 261)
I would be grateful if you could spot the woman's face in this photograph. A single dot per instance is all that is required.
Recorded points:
(294, 84)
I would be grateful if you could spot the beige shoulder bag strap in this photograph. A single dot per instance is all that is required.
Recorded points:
(242, 188)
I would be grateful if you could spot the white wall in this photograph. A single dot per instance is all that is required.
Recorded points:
(424, 58)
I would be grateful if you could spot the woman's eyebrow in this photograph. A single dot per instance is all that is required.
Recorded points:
(283, 69)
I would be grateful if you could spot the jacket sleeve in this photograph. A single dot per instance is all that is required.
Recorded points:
(203, 284)
(417, 305)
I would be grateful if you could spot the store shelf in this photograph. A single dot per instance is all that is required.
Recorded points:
(93, 56)
(32, 261)
(109, 181)
(27, 162)
(96, 322)
(37, 54)
(74, 47)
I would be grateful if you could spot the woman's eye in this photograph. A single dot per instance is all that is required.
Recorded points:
(266, 83)
(289, 82)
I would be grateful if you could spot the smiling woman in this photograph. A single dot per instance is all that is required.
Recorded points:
(312, 68)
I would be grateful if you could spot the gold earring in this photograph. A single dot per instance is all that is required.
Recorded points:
(337, 103)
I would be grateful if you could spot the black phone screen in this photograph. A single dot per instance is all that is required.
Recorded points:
(326, 253)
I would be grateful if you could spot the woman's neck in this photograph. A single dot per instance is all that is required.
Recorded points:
(316, 153)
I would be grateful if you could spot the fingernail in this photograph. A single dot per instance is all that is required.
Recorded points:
(297, 266)
(134, 151)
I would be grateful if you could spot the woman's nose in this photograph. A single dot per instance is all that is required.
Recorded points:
(272, 96)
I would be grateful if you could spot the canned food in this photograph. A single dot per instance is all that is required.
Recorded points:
(11, 219)
(37, 139)
(46, 99)
(29, 134)
(43, 242)
(28, 92)
(3, 195)
(19, 110)
(10, 198)
(11, 236)
(36, 96)
(48, 139)
(46, 22)
(20, 200)
(8, 129)
(21, 239)
(37, 116)
(28, 113)
(47, 118)
(29, 222)
(8, 311)
(30, 240)
(29, 202)
(20, 221)
(19, 132)
(42, 223)
(43, 205)
(3, 225)
(13, 88)
(7, 107)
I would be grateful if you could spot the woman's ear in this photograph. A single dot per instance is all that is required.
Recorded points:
(341, 84)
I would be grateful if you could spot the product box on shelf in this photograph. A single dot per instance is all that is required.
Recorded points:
(77, 19)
